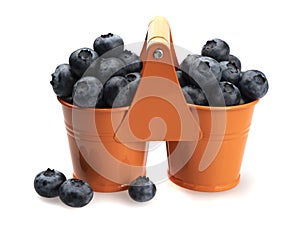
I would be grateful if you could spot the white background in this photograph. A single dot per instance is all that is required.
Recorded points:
(36, 36)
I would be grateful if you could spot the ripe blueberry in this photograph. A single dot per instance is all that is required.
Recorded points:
(216, 49)
(181, 79)
(129, 91)
(63, 81)
(87, 91)
(47, 183)
(204, 70)
(75, 193)
(253, 84)
(194, 95)
(186, 64)
(105, 68)
(142, 189)
(231, 93)
(244, 100)
(81, 59)
(235, 60)
(111, 90)
(132, 61)
(109, 45)
(230, 72)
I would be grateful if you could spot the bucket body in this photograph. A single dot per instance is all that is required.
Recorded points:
(106, 164)
(213, 162)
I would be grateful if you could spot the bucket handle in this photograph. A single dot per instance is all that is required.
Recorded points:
(159, 111)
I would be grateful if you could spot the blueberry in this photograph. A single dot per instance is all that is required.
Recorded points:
(87, 91)
(132, 61)
(81, 59)
(63, 81)
(186, 64)
(129, 91)
(109, 45)
(119, 91)
(47, 183)
(253, 84)
(230, 72)
(101, 104)
(194, 95)
(111, 90)
(244, 100)
(142, 189)
(204, 70)
(75, 193)
(105, 68)
(216, 49)
(231, 93)
(235, 60)
(181, 79)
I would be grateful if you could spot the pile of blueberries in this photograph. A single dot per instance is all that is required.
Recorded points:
(78, 193)
(215, 78)
(107, 76)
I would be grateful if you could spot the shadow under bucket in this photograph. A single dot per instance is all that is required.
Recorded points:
(213, 162)
(97, 158)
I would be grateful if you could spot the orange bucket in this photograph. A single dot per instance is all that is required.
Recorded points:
(107, 165)
(205, 145)
(213, 162)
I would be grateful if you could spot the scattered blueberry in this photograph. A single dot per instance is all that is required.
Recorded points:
(194, 95)
(204, 70)
(235, 60)
(81, 59)
(132, 61)
(216, 49)
(63, 81)
(142, 189)
(230, 72)
(75, 193)
(181, 79)
(109, 45)
(47, 183)
(87, 91)
(253, 84)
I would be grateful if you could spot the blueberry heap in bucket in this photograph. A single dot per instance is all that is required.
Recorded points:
(104, 77)
(108, 76)
(215, 78)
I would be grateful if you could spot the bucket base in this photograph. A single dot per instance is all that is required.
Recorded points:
(202, 188)
(106, 188)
